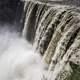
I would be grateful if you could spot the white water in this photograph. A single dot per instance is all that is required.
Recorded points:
(17, 58)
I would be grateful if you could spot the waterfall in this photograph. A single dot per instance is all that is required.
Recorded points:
(44, 46)
(56, 30)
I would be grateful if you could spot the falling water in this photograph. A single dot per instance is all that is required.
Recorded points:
(45, 48)
(54, 32)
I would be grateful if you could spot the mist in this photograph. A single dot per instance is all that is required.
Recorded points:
(18, 60)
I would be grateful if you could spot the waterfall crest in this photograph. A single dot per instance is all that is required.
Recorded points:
(56, 37)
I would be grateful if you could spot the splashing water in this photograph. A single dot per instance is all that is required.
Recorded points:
(17, 58)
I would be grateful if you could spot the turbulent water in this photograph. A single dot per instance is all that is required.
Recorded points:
(54, 31)
(48, 46)
(18, 61)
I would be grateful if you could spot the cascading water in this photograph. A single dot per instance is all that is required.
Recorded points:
(56, 34)
(48, 46)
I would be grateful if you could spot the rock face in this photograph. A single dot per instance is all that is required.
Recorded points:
(54, 30)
